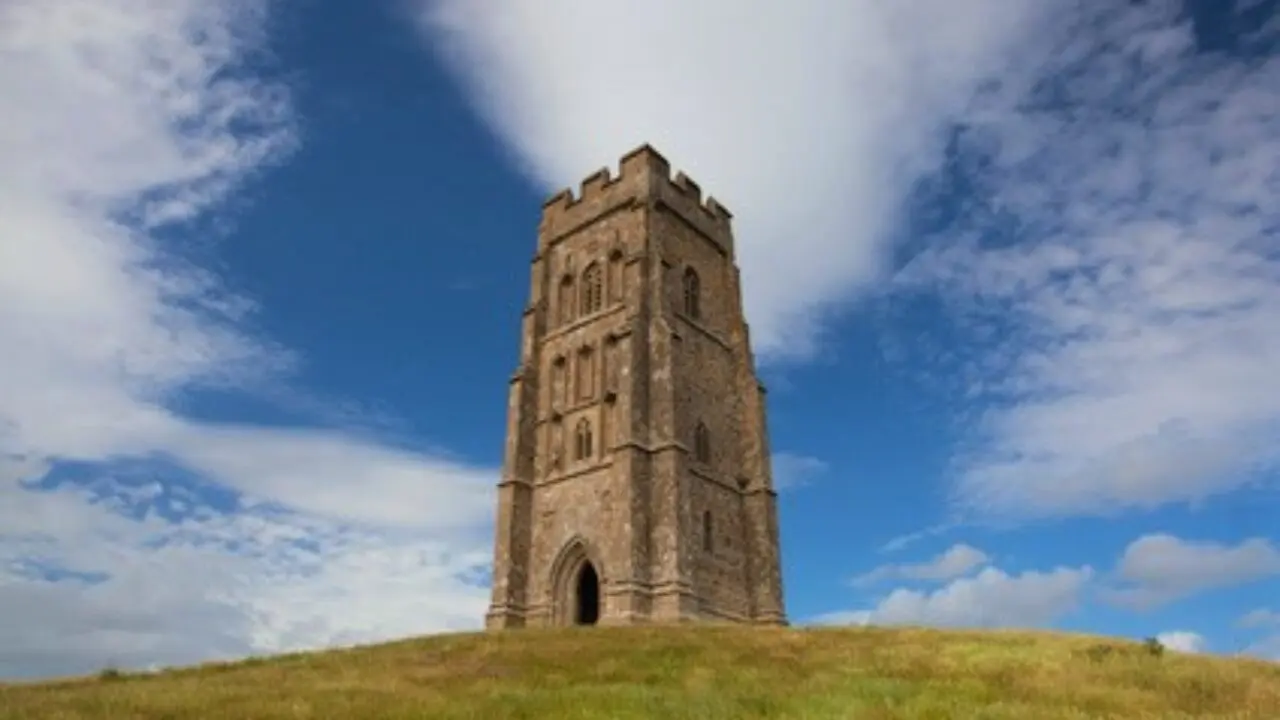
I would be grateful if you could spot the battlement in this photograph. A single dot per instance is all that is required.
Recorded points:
(643, 174)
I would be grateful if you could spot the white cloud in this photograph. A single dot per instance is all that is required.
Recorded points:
(218, 585)
(1157, 569)
(1152, 570)
(810, 119)
(340, 476)
(1267, 646)
(1183, 641)
(956, 561)
(1260, 618)
(791, 471)
(1114, 278)
(1118, 354)
(905, 540)
(842, 617)
(119, 123)
(112, 113)
(992, 598)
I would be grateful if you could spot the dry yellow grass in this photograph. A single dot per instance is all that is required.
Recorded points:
(687, 672)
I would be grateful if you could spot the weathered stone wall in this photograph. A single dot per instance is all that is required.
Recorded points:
(626, 364)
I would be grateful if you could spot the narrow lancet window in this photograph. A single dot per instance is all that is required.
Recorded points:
(692, 290)
(566, 300)
(592, 289)
(615, 277)
(702, 444)
(582, 440)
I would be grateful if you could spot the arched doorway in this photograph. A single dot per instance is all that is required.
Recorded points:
(587, 596)
(576, 581)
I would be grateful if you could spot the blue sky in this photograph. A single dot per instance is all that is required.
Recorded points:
(1011, 268)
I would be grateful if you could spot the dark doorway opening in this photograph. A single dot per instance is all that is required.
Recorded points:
(588, 610)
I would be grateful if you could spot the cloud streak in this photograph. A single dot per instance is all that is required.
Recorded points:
(810, 119)
(958, 560)
(792, 471)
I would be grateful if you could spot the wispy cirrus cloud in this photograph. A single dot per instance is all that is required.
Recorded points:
(792, 471)
(958, 560)
(1260, 618)
(1112, 268)
(121, 124)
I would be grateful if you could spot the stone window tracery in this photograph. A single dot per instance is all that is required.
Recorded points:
(692, 287)
(565, 301)
(592, 289)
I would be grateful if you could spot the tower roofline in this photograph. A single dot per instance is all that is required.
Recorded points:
(643, 161)
(644, 176)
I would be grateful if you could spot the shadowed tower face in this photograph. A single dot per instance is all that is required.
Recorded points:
(636, 483)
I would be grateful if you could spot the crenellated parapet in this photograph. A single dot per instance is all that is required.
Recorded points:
(636, 485)
(644, 177)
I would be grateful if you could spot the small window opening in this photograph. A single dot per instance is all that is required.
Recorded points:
(692, 292)
(702, 444)
(582, 440)
(566, 300)
(592, 289)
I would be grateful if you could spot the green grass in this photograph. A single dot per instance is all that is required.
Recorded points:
(687, 672)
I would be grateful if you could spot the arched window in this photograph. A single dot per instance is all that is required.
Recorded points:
(582, 440)
(702, 444)
(592, 289)
(692, 289)
(566, 300)
(707, 544)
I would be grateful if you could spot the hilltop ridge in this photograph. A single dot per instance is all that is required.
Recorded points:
(695, 672)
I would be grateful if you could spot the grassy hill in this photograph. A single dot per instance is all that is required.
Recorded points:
(687, 672)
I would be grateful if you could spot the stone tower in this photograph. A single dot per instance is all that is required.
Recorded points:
(636, 484)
